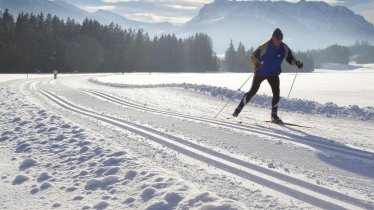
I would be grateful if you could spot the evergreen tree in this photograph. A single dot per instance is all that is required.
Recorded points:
(84, 54)
(23, 46)
(243, 64)
(7, 42)
(201, 53)
(230, 58)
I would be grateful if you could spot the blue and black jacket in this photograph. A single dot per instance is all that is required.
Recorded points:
(267, 59)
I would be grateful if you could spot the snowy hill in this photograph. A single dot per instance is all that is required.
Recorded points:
(305, 24)
(64, 10)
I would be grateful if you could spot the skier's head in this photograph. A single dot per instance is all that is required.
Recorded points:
(277, 37)
(278, 34)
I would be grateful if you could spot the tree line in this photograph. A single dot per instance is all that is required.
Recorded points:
(40, 43)
(360, 52)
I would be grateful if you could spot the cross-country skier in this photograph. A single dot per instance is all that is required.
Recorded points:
(55, 74)
(267, 60)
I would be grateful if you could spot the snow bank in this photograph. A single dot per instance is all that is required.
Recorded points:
(294, 105)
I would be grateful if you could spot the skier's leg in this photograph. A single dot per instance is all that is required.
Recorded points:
(274, 84)
(257, 80)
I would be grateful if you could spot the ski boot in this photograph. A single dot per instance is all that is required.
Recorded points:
(275, 118)
(236, 112)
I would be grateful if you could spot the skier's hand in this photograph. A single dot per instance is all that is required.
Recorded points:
(299, 64)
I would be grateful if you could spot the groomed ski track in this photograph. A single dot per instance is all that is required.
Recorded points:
(290, 186)
(289, 137)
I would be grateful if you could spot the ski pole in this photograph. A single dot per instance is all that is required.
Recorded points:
(289, 93)
(233, 95)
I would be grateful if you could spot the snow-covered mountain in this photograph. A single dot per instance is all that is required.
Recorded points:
(305, 24)
(106, 17)
(58, 8)
(65, 10)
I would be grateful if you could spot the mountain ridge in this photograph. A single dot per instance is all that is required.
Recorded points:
(252, 23)
(306, 25)
(64, 10)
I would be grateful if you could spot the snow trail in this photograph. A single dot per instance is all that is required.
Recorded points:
(183, 157)
(307, 192)
(308, 141)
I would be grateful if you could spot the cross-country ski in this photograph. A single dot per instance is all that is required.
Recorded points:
(287, 123)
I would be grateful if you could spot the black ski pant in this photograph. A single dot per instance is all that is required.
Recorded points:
(257, 80)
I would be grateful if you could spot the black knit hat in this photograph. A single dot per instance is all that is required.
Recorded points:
(278, 34)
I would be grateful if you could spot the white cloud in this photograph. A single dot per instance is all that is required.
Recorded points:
(161, 1)
(181, 7)
(151, 17)
(116, 1)
(95, 8)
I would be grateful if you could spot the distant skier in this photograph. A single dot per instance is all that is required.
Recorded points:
(267, 60)
(55, 74)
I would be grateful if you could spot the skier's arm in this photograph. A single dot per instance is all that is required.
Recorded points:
(292, 60)
(255, 58)
(257, 54)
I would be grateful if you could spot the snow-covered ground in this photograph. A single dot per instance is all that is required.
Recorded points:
(151, 141)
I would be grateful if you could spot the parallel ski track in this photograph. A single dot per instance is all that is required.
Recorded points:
(56, 84)
(293, 187)
(291, 137)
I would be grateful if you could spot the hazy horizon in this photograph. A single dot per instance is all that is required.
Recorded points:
(180, 12)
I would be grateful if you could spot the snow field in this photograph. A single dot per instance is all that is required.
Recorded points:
(335, 154)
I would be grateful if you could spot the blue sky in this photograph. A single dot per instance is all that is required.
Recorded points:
(180, 11)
